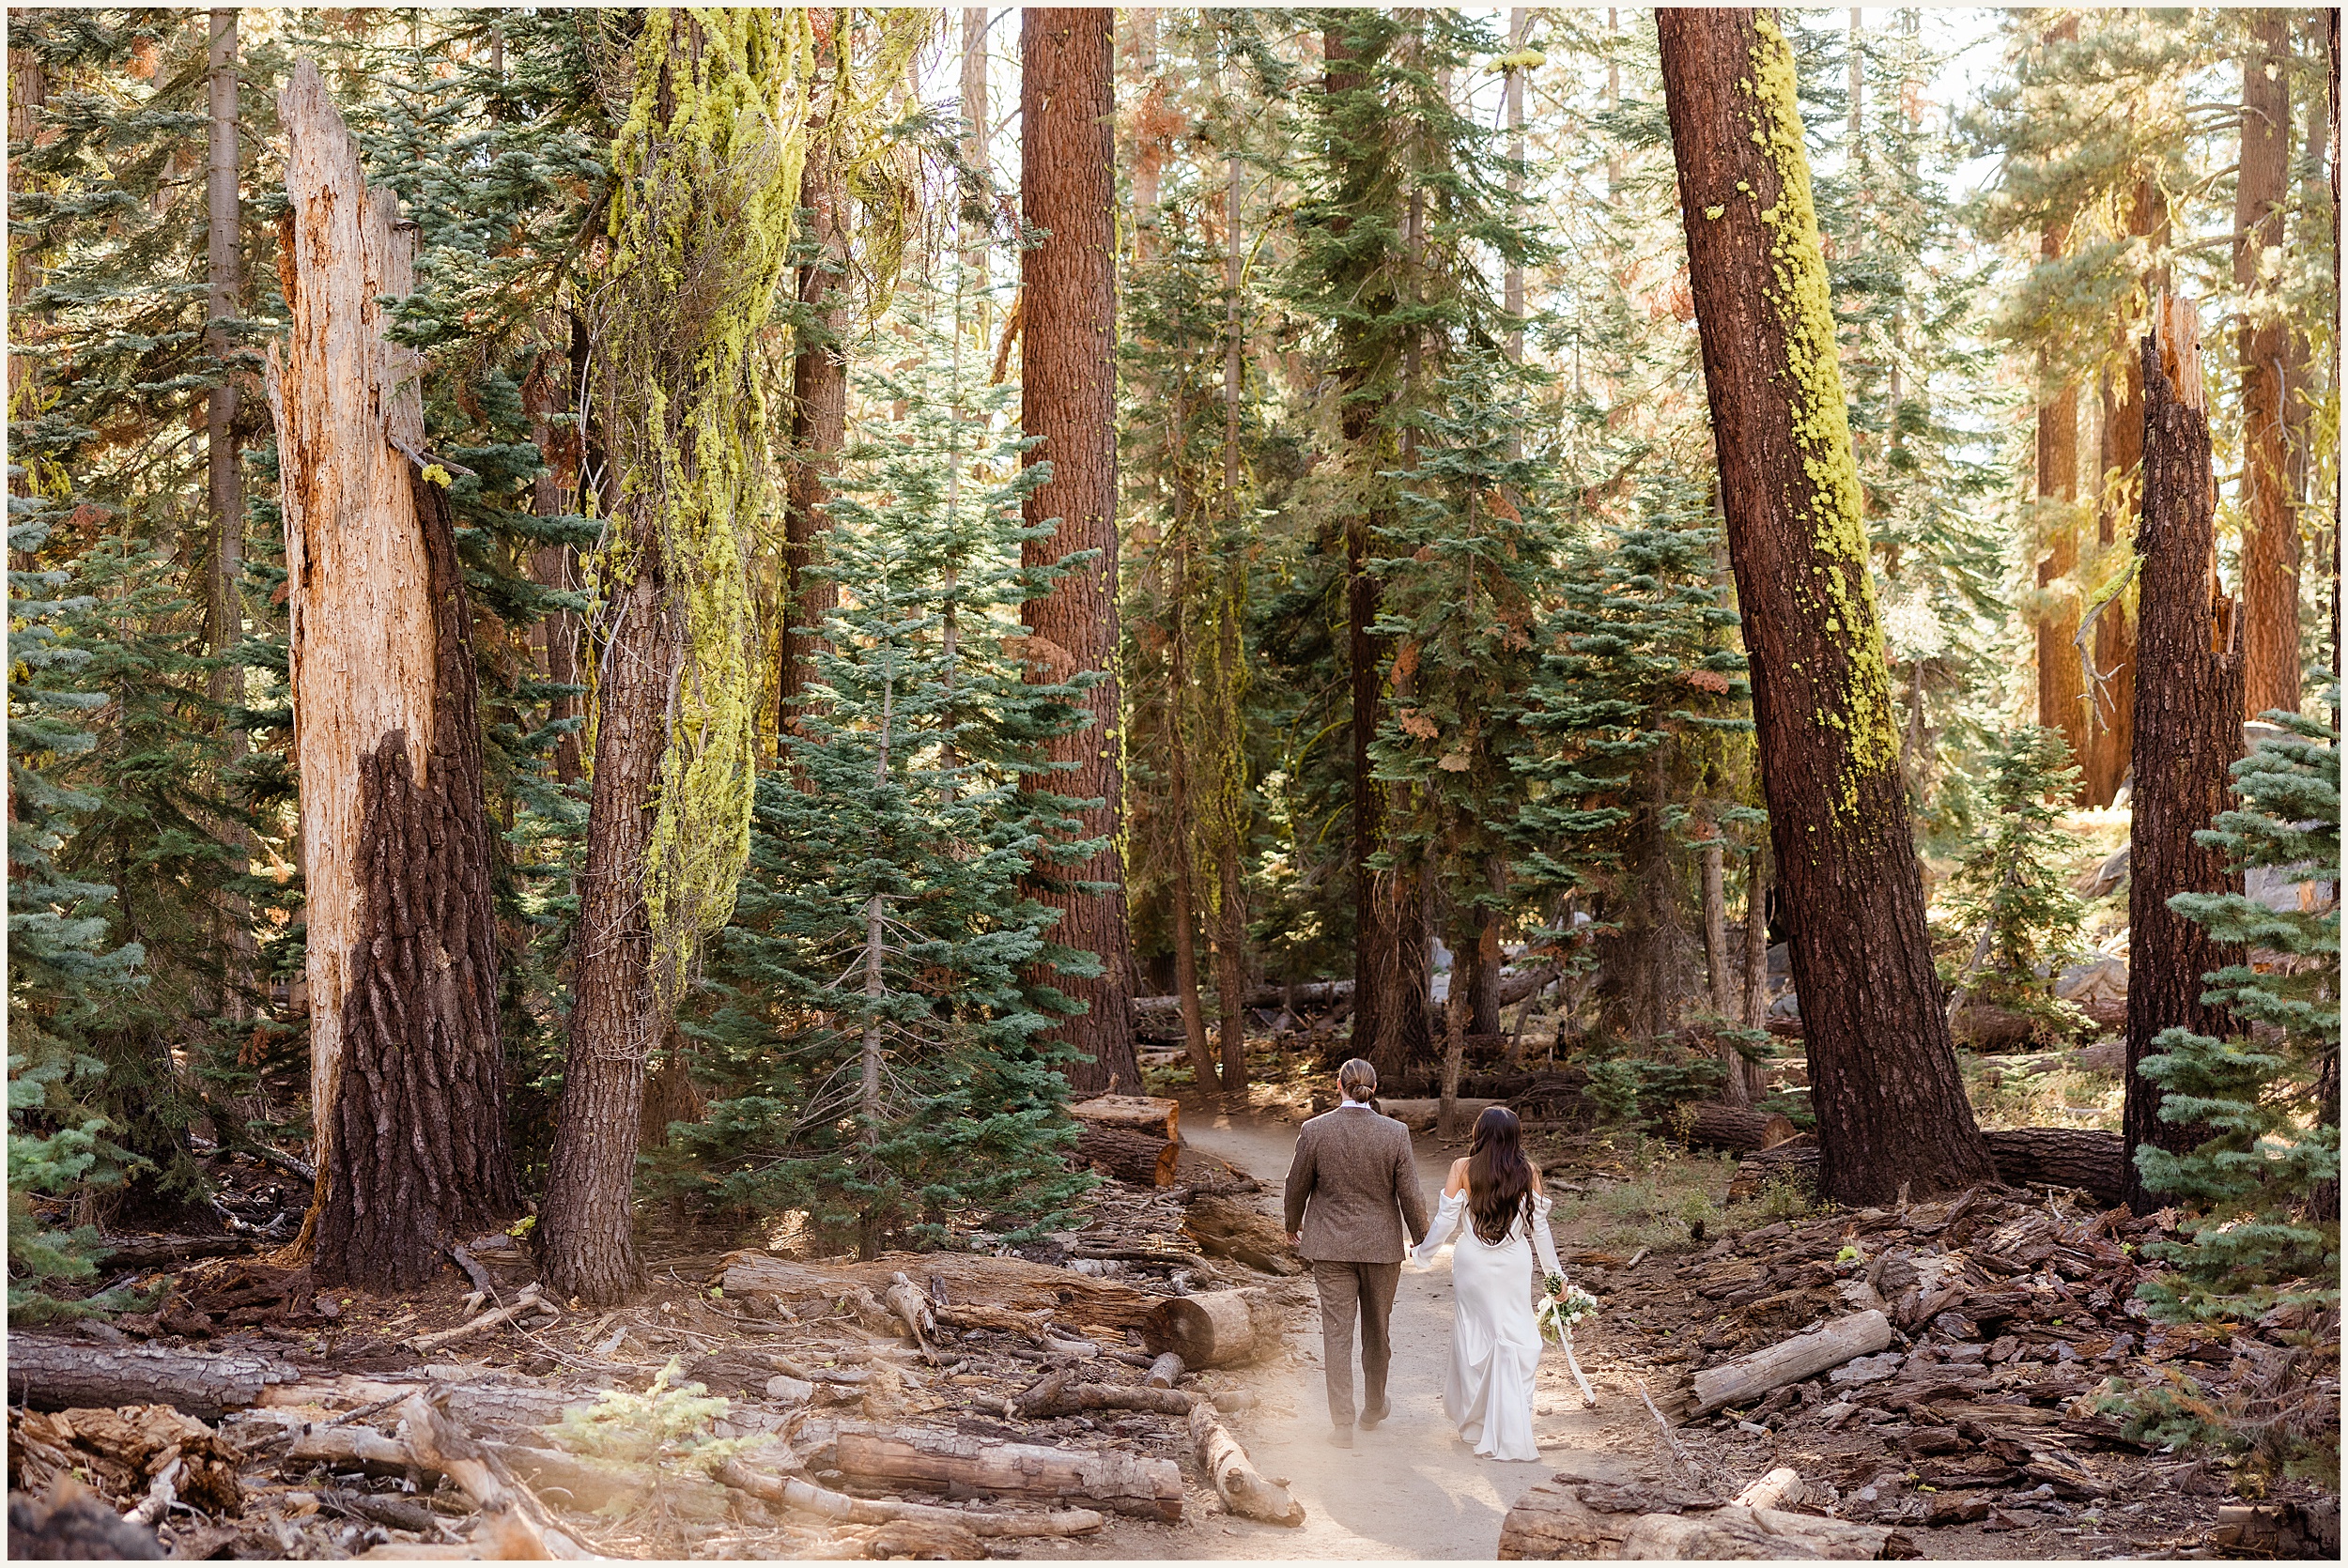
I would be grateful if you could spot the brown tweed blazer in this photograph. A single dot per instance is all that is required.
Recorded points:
(1352, 1188)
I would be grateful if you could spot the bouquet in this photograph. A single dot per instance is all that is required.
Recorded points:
(1561, 1307)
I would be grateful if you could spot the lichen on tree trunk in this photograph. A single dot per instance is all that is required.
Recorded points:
(1890, 1109)
(708, 167)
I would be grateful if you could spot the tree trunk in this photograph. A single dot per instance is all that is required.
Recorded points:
(1756, 932)
(976, 214)
(1366, 661)
(1883, 1074)
(1512, 284)
(408, 1086)
(2270, 527)
(2113, 745)
(1716, 927)
(1069, 387)
(1243, 1487)
(1455, 1015)
(226, 478)
(1737, 1127)
(2062, 705)
(1230, 966)
(1202, 1062)
(819, 395)
(2188, 729)
(585, 1236)
(28, 93)
(553, 565)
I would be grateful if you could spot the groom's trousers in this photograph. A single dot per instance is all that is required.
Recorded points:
(1348, 1289)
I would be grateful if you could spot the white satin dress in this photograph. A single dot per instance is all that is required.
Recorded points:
(1495, 1347)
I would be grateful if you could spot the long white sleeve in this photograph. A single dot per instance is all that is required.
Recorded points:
(1445, 1226)
(1544, 1246)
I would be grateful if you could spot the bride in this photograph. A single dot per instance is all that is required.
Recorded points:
(1494, 1203)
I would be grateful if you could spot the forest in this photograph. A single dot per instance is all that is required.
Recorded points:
(716, 716)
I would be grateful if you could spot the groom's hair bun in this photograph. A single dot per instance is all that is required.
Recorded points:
(1358, 1079)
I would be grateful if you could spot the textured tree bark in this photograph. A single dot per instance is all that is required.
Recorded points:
(407, 1068)
(225, 477)
(1756, 931)
(1890, 1107)
(52, 1373)
(975, 214)
(2061, 702)
(2112, 747)
(1135, 1157)
(587, 1245)
(1067, 185)
(1123, 1482)
(28, 92)
(819, 399)
(2270, 527)
(1202, 1060)
(1716, 927)
(2188, 729)
(1230, 964)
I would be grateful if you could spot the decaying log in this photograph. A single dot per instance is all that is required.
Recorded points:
(1305, 994)
(511, 1516)
(1827, 1346)
(1735, 1531)
(805, 1495)
(1144, 1114)
(1028, 1325)
(1987, 1027)
(1737, 1127)
(2082, 1157)
(1009, 1283)
(906, 1302)
(1165, 1371)
(1223, 1228)
(1216, 1329)
(350, 1448)
(1781, 1488)
(2283, 1529)
(1066, 1398)
(1420, 1115)
(1141, 1158)
(1204, 1172)
(50, 1374)
(1123, 1482)
(1242, 1488)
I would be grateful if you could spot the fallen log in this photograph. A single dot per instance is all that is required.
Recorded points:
(1026, 1325)
(1144, 1114)
(1829, 1346)
(911, 1307)
(1420, 1115)
(164, 1252)
(50, 1374)
(1734, 1531)
(1105, 1477)
(1068, 1398)
(1216, 1329)
(1204, 1172)
(1242, 1488)
(1305, 994)
(2080, 1158)
(1567, 1517)
(1987, 1027)
(1223, 1228)
(1165, 1371)
(808, 1497)
(1141, 1158)
(1013, 1284)
(1781, 1488)
(1736, 1128)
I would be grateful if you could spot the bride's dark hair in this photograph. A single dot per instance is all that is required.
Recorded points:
(1499, 1178)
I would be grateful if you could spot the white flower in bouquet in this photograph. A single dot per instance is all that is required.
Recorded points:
(1560, 1308)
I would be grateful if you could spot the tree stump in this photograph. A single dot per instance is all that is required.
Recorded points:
(1214, 1330)
(1142, 1114)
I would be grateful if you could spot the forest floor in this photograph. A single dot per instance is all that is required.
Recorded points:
(1967, 1449)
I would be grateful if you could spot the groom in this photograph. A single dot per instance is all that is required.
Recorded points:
(1350, 1192)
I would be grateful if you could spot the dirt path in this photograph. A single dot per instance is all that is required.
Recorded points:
(1409, 1489)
